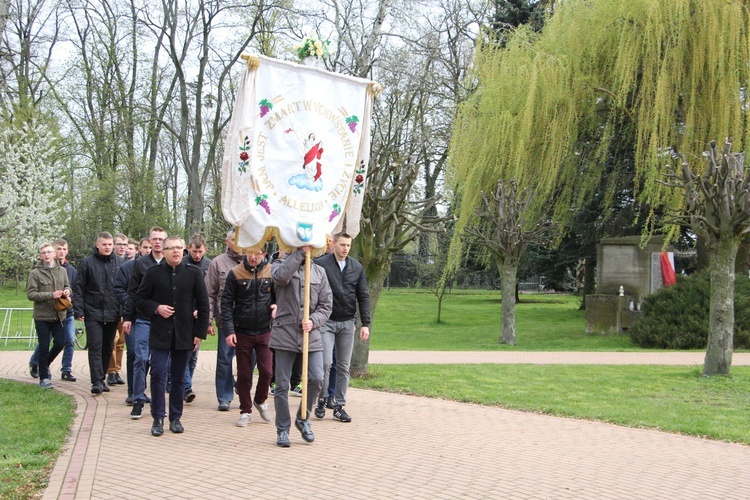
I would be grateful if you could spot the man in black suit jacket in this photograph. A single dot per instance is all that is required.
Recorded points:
(174, 296)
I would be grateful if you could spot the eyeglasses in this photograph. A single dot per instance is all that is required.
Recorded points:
(176, 247)
(47, 251)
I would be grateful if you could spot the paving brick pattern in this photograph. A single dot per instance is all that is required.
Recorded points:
(397, 446)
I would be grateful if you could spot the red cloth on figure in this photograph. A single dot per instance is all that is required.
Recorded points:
(667, 271)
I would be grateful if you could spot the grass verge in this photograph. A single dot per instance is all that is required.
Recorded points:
(668, 398)
(34, 424)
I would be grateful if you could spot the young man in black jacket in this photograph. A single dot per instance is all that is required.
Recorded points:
(247, 306)
(95, 303)
(349, 287)
(170, 293)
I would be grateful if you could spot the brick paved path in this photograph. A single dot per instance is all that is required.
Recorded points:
(396, 447)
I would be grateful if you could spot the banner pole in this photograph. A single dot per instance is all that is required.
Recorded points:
(305, 337)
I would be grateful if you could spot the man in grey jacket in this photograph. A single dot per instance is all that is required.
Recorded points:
(286, 336)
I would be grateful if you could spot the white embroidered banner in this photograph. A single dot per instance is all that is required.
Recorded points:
(296, 155)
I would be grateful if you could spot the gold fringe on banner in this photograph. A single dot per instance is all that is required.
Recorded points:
(374, 88)
(252, 61)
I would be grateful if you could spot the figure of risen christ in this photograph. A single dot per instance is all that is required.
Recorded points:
(314, 153)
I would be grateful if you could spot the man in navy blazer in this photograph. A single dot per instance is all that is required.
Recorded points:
(173, 294)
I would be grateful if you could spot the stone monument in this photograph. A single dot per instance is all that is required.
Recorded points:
(625, 273)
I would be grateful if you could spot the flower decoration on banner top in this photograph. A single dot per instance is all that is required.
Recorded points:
(312, 46)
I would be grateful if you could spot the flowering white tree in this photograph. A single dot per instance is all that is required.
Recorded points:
(29, 205)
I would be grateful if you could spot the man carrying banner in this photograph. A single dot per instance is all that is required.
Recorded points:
(287, 337)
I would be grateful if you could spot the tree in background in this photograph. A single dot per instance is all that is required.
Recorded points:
(420, 63)
(503, 229)
(29, 204)
(559, 96)
(717, 208)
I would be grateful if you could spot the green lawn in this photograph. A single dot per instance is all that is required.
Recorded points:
(406, 319)
(668, 398)
(34, 424)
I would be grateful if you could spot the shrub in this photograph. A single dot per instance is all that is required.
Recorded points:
(677, 317)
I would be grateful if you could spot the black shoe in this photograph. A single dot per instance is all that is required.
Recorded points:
(118, 379)
(137, 411)
(223, 406)
(68, 376)
(111, 379)
(189, 397)
(157, 428)
(129, 400)
(304, 428)
(34, 370)
(176, 427)
(96, 388)
(331, 403)
(105, 387)
(340, 414)
(320, 409)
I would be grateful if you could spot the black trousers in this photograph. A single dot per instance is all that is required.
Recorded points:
(100, 337)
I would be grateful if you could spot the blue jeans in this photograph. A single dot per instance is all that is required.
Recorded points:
(224, 376)
(177, 361)
(332, 376)
(48, 331)
(68, 348)
(130, 359)
(191, 370)
(140, 333)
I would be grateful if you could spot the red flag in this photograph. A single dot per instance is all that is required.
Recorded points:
(667, 271)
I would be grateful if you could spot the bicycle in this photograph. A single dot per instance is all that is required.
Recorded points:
(80, 339)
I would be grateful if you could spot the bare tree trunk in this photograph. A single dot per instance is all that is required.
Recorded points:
(361, 352)
(508, 276)
(721, 314)
(589, 280)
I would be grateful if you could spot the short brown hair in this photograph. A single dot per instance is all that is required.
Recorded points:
(104, 235)
(197, 241)
(340, 235)
(156, 229)
(60, 242)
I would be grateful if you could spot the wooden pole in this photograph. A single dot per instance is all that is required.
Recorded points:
(305, 337)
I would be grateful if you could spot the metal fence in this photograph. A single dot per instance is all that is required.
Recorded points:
(17, 324)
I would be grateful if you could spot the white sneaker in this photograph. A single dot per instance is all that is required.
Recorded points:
(244, 420)
(263, 411)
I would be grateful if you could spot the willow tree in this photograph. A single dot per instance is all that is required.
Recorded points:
(547, 105)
